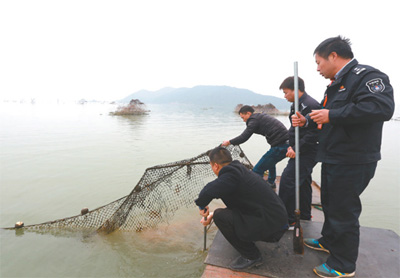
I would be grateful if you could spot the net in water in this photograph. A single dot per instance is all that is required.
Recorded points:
(160, 192)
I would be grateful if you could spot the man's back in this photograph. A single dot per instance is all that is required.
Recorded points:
(274, 131)
(258, 211)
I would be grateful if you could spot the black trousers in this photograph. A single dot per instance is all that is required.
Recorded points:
(223, 218)
(287, 186)
(341, 187)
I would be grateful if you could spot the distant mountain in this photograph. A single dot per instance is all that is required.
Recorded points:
(207, 96)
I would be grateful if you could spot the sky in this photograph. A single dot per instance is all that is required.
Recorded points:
(106, 50)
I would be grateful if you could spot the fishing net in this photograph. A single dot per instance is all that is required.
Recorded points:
(160, 192)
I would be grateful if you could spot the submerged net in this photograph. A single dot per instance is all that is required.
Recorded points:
(160, 192)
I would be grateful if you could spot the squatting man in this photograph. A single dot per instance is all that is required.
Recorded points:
(254, 212)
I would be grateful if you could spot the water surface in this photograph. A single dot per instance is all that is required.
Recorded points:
(56, 159)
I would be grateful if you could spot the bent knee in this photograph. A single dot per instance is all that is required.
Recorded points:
(223, 215)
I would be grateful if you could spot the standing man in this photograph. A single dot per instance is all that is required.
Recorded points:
(357, 102)
(275, 133)
(253, 211)
(308, 149)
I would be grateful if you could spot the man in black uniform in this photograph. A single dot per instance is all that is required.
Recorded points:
(276, 135)
(308, 148)
(357, 102)
(253, 211)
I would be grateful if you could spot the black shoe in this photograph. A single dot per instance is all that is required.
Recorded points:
(242, 263)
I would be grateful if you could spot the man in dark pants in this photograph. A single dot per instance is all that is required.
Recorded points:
(253, 210)
(308, 149)
(275, 133)
(357, 102)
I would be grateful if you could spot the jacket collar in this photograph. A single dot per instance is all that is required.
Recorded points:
(303, 96)
(300, 99)
(344, 71)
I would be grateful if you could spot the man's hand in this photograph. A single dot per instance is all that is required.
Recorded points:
(205, 212)
(320, 116)
(225, 143)
(298, 120)
(208, 221)
(290, 153)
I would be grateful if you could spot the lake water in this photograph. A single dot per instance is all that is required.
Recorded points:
(57, 159)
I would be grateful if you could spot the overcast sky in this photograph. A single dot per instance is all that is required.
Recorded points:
(106, 50)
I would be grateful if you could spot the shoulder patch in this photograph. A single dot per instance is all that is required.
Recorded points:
(375, 85)
(358, 70)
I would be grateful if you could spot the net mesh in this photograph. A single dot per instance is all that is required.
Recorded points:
(160, 192)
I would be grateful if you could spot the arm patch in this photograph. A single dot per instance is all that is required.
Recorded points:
(375, 85)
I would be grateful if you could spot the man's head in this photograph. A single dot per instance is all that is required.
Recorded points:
(331, 55)
(245, 112)
(287, 87)
(219, 157)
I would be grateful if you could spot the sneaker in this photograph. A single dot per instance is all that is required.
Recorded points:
(314, 244)
(272, 185)
(291, 226)
(242, 263)
(325, 271)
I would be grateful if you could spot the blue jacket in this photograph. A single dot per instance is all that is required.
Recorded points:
(359, 101)
(308, 137)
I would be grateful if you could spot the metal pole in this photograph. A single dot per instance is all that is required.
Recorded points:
(205, 236)
(297, 135)
(205, 232)
(298, 245)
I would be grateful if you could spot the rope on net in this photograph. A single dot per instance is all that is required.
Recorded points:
(160, 192)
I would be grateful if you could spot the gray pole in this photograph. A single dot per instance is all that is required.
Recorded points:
(296, 139)
(298, 244)
(205, 236)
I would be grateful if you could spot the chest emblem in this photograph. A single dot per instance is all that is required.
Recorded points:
(341, 89)
(375, 85)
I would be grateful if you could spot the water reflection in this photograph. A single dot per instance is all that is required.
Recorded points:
(170, 250)
(132, 120)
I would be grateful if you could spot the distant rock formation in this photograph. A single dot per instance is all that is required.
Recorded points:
(135, 107)
(267, 108)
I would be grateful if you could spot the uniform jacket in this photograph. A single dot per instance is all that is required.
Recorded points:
(257, 209)
(274, 131)
(359, 101)
(308, 138)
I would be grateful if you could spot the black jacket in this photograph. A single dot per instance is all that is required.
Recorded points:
(308, 137)
(258, 210)
(274, 131)
(359, 101)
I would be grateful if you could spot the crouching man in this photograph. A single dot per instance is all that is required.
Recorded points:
(253, 210)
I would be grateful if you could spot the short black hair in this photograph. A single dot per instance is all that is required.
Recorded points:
(220, 155)
(245, 109)
(339, 44)
(288, 83)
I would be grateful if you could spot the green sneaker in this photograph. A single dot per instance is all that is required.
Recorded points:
(325, 271)
(314, 244)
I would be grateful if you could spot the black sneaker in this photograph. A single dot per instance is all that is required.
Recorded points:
(242, 263)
